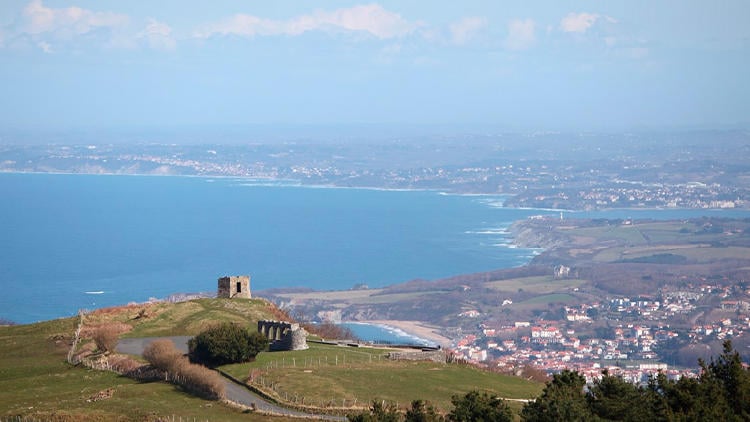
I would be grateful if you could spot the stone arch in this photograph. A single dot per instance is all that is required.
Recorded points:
(283, 335)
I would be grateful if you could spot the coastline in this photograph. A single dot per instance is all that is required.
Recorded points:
(416, 328)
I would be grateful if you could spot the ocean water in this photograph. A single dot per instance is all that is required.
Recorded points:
(385, 334)
(70, 242)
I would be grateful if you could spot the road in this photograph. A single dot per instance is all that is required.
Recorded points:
(234, 392)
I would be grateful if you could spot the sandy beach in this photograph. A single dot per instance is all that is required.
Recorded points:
(415, 328)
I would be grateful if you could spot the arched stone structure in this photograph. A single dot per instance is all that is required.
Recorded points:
(283, 335)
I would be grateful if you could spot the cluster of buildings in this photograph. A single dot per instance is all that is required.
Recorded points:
(533, 183)
(626, 336)
(689, 195)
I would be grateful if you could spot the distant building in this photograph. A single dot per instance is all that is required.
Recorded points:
(237, 286)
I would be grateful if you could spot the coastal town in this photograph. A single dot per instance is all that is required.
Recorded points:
(633, 298)
(635, 343)
(646, 171)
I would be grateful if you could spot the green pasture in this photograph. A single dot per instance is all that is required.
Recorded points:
(192, 317)
(340, 376)
(621, 233)
(694, 253)
(546, 299)
(536, 284)
(37, 383)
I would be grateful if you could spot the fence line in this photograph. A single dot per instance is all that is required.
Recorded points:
(261, 378)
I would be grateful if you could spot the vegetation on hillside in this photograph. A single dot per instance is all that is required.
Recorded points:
(37, 384)
(331, 377)
(197, 379)
(720, 393)
(471, 407)
(226, 343)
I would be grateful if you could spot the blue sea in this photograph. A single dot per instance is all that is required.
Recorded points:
(385, 334)
(70, 242)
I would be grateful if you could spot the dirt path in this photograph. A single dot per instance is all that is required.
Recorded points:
(235, 392)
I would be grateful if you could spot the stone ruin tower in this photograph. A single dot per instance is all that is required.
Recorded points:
(283, 335)
(236, 286)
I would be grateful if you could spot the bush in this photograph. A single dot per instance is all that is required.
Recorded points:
(226, 343)
(479, 407)
(380, 411)
(196, 379)
(106, 337)
(124, 364)
(162, 354)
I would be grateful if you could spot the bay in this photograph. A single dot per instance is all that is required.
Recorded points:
(385, 334)
(72, 242)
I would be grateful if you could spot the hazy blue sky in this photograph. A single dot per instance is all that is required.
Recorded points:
(529, 65)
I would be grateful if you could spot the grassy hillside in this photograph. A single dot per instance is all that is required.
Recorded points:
(337, 376)
(184, 318)
(36, 381)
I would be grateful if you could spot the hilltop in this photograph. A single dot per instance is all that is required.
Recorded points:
(36, 382)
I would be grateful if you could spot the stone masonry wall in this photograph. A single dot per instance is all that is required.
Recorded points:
(234, 287)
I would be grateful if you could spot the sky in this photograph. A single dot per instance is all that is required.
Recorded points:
(508, 65)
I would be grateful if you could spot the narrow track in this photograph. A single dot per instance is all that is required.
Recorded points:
(235, 392)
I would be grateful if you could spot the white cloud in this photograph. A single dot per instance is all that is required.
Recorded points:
(158, 35)
(372, 19)
(578, 22)
(581, 22)
(66, 22)
(44, 46)
(465, 29)
(520, 34)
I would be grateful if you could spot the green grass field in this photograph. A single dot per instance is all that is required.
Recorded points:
(545, 299)
(184, 318)
(37, 383)
(339, 376)
(537, 284)
(702, 253)
(628, 234)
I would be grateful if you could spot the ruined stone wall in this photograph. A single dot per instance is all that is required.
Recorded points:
(234, 287)
(283, 335)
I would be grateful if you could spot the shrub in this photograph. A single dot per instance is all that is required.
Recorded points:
(106, 337)
(196, 379)
(124, 364)
(162, 354)
(479, 407)
(380, 411)
(226, 343)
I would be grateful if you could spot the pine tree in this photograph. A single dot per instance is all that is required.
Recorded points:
(562, 399)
